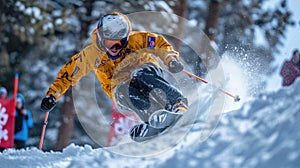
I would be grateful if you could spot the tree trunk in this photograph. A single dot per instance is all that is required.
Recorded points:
(85, 21)
(179, 9)
(67, 122)
(212, 19)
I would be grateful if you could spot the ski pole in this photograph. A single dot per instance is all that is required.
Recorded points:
(236, 98)
(43, 130)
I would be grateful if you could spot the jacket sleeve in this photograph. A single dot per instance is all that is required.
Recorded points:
(70, 74)
(29, 120)
(162, 48)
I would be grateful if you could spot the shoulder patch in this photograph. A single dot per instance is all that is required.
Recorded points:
(151, 42)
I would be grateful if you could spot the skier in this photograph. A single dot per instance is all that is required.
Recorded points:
(291, 69)
(127, 66)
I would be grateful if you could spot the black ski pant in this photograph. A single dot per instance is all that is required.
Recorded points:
(147, 88)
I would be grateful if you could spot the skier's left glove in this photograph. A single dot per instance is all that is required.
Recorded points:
(175, 66)
(48, 103)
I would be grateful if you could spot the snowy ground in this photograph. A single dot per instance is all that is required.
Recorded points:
(263, 133)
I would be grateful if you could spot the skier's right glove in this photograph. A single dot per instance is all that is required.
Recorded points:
(175, 66)
(48, 103)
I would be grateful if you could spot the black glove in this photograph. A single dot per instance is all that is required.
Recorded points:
(175, 66)
(48, 103)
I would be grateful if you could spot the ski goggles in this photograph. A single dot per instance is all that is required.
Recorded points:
(118, 44)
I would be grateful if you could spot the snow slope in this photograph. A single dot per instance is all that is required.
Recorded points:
(263, 133)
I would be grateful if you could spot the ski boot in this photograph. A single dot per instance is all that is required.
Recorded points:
(159, 121)
(165, 118)
(180, 106)
(144, 131)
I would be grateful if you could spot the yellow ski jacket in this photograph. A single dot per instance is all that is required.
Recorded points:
(142, 48)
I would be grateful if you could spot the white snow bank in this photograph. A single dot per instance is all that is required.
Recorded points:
(263, 133)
